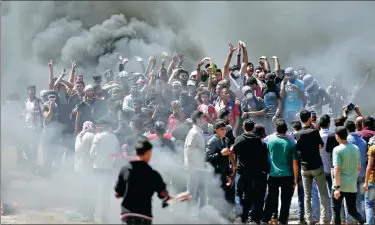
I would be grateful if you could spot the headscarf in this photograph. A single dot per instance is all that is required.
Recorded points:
(88, 126)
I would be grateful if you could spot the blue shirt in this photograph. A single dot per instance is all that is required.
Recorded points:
(355, 139)
(292, 101)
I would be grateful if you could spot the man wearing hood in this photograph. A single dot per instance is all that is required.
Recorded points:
(252, 169)
(315, 95)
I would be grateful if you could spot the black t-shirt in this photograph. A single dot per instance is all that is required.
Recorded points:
(308, 141)
(252, 156)
(331, 144)
(137, 183)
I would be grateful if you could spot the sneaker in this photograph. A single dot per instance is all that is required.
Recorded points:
(302, 222)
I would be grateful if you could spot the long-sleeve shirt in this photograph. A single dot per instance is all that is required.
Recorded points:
(137, 183)
(194, 148)
(103, 150)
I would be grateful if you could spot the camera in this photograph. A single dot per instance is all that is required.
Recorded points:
(350, 107)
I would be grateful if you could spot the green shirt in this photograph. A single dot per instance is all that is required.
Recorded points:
(347, 157)
(282, 152)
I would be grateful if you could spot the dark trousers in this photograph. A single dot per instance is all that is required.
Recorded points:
(350, 199)
(287, 189)
(251, 190)
(136, 221)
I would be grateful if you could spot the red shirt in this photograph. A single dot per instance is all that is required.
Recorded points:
(210, 110)
(173, 122)
(366, 134)
(232, 108)
(258, 91)
(153, 136)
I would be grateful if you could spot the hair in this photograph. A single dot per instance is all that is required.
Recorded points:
(260, 130)
(248, 125)
(223, 113)
(80, 82)
(350, 125)
(340, 121)
(218, 70)
(31, 87)
(142, 146)
(368, 122)
(219, 124)
(341, 132)
(251, 81)
(195, 116)
(305, 115)
(297, 125)
(281, 126)
(324, 121)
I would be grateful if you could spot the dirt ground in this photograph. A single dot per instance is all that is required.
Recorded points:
(46, 200)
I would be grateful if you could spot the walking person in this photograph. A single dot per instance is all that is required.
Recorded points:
(194, 160)
(309, 144)
(136, 184)
(252, 169)
(283, 173)
(347, 166)
(369, 185)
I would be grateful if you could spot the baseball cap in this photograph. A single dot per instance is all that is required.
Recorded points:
(289, 72)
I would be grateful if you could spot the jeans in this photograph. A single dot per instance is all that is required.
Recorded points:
(350, 199)
(196, 187)
(301, 197)
(315, 198)
(360, 201)
(250, 191)
(287, 189)
(318, 176)
(289, 117)
(369, 203)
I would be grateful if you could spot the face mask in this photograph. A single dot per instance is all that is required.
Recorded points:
(235, 74)
(249, 96)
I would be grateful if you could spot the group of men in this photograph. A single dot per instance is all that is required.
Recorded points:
(235, 120)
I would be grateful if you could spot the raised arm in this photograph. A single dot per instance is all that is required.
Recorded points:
(266, 64)
(50, 80)
(72, 72)
(123, 61)
(245, 59)
(172, 64)
(181, 59)
(140, 60)
(238, 62)
(227, 61)
(63, 74)
(277, 67)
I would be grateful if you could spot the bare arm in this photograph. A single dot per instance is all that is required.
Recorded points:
(140, 60)
(295, 170)
(227, 61)
(282, 89)
(370, 163)
(238, 62)
(72, 72)
(172, 64)
(266, 63)
(336, 171)
(181, 59)
(63, 74)
(277, 67)
(48, 115)
(245, 59)
(50, 80)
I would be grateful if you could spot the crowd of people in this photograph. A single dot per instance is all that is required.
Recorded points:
(261, 129)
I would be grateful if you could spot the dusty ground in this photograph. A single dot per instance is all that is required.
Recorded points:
(46, 200)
